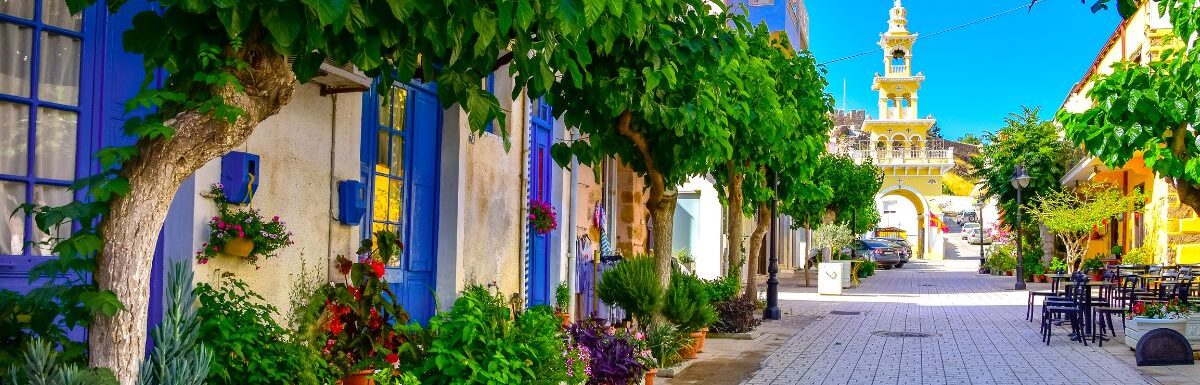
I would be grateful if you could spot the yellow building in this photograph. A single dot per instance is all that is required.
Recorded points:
(897, 141)
(1171, 231)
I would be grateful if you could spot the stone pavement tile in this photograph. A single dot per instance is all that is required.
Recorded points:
(976, 329)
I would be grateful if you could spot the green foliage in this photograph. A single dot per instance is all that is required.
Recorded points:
(970, 139)
(684, 256)
(665, 342)
(632, 285)
(834, 236)
(736, 315)
(867, 268)
(1147, 109)
(1143, 255)
(686, 303)
(179, 356)
(562, 297)
(1091, 265)
(1057, 265)
(1072, 215)
(720, 289)
(268, 236)
(479, 342)
(40, 364)
(255, 349)
(848, 190)
(353, 326)
(1002, 259)
(1025, 140)
(1031, 264)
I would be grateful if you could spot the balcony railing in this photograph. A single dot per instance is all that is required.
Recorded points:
(903, 156)
(899, 69)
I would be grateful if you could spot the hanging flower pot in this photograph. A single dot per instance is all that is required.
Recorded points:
(362, 377)
(542, 217)
(238, 247)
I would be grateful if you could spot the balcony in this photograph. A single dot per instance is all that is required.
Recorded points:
(899, 69)
(903, 157)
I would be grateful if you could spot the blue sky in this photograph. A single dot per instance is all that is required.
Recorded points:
(973, 76)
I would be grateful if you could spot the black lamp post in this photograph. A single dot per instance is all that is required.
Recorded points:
(979, 207)
(772, 311)
(1020, 180)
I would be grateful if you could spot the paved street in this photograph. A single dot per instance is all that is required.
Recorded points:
(962, 328)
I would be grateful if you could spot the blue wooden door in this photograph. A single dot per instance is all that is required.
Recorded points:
(401, 150)
(541, 166)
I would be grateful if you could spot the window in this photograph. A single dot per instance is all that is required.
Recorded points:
(40, 49)
(388, 204)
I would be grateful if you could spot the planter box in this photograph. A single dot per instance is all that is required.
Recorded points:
(673, 371)
(1136, 328)
(752, 335)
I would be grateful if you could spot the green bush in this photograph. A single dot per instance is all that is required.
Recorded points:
(867, 268)
(633, 286)
(1092, 264)
(179, 356)
(253, 348)
(479, 342)
(1002, 259)
(666, 341)
(686, 303)
(41, 364)
(720, 289)
(1143, 255)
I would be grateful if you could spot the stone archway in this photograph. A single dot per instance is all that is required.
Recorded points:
(922, 208)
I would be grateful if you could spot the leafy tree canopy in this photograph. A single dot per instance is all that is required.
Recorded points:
(1149, 110)
(846, 190)
(1025, 140)
(1073, 214)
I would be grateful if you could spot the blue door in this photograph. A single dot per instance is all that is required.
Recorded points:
(401, 148)
(541, 167)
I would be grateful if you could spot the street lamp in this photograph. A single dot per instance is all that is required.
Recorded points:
(979, 207)
(1020, 180)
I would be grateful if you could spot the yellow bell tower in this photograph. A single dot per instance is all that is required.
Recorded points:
(897, 140)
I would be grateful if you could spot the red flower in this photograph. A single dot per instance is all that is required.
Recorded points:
(392, 358)
(1139, 307)
(357, 294)
(374, 321)
(335, 326)
(377, 266)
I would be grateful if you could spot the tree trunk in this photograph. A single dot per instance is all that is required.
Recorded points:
(733, 221)
(663, 215)
(756, 244)
(132, 225)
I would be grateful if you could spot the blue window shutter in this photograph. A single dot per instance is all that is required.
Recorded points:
(424, 161)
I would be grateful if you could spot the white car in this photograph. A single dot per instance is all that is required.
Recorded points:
(966, 229)
(977, 237)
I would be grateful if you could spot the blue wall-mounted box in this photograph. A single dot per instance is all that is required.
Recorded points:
(352, 201)
(240, 176)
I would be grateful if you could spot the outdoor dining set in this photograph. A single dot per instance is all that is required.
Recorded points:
(1089, 306)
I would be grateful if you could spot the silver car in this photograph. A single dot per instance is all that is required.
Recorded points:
(978, 237)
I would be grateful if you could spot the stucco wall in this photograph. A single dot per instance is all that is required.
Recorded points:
(494, 206)
(706, 236)
(298, 183)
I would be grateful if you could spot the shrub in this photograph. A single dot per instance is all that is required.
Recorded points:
(562, 297)
(685, 303)
(1092, 264)
(1002, 259)
(665, 342)
(40, 364)
(867, 268)
(1143, 255)
(479, 342)
(179, 357)
(254, 348)
(632, 285)
(735, 315)
(720, 289)
(1057, 265)
(619, 355)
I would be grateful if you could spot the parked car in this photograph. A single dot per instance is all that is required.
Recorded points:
(901, 246)
(884, 253)
(966, 228)
(977, 236)
(970, 216)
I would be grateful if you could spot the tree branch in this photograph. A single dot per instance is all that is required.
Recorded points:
(657, 182)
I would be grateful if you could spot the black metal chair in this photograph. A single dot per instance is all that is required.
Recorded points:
(1066, 309)
(1119, 302)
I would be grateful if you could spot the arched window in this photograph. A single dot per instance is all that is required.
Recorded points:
(898, 147)
(898, 61)
(916, 147)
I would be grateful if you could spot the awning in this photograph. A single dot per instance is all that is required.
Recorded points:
(1083, 171)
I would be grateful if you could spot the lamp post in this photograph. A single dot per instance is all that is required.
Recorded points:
(772, 311)
(1020, 180)
(979, 207)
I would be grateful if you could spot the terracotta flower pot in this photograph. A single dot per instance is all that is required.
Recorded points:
(703, 336)
(650, 376)
(1039, 278)
(1008, 273)
(362, 377)
(1096, 276)
(238, 247)
(692, 350)
(566, 319)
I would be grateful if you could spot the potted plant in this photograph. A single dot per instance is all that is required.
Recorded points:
(542, 216)
(1144, 317)
(1002, 260)
(242, 233)
(665, 341)
(619, 355)
(1037, 272)
(1143, 255)
(632, 285)
(358, 314)
(562, 301)
(1117, 251)
(686, 305)
(1058, 266)
(1094, 267)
